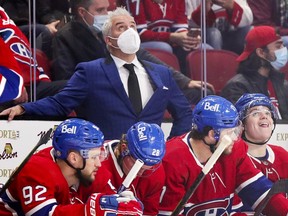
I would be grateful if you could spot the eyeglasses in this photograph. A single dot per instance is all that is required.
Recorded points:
(102, 155)
(259, 113)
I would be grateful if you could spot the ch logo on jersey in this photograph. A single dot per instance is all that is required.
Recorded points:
(213, 108)
(210, 208)
(71, 130)
(18, 46)
(20, 49)
(141, 134)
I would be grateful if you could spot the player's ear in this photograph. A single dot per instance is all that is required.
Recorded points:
(211, 134)
(73, 158)
(124, 147)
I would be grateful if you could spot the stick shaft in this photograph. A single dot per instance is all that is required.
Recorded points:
(131, 175)
(188, 194)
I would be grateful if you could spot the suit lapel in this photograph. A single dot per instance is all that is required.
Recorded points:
(157, 84)
(154, 77)
(113, 77)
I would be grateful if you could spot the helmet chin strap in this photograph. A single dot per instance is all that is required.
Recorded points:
(69, 164)
(78, 172)
(211, 146)
(258, 143)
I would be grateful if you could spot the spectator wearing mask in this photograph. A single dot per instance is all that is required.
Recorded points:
(258, 72)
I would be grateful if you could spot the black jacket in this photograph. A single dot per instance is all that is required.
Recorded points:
(256, 83)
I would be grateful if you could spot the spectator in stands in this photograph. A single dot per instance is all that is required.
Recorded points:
(164, 22)
(11, 81)
(99, 89)
(49, 13)
(214, 118)
(49, 181)
(227, 21)
(144, 142)
(19, 46)
(81, 41)
(258, 116)
(258, 70)
(271, 13)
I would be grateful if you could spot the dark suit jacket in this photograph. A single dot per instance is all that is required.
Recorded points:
(98, 94)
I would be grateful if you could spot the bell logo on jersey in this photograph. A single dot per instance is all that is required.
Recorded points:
(141, 135)
(71, 130)
(213, 108)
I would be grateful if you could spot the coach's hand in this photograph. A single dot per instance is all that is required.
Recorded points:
(99, 204)
(12, 112)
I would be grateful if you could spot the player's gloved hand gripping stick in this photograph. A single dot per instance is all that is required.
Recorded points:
(123, 203)
(224, 143)
(43, 140)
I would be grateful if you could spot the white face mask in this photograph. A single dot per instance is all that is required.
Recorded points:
(99, 20)
(281, 58)
(128, 41)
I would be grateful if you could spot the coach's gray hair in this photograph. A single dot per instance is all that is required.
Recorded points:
(106, 29)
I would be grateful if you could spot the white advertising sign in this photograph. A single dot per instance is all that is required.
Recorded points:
(17, 139)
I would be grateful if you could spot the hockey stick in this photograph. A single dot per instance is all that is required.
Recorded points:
(225, 141)
(131, 175)
(280, 186)
(43, 140)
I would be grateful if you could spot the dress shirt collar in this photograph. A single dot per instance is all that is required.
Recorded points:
(119, 62)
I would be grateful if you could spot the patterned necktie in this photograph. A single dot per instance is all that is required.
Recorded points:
(134, 89)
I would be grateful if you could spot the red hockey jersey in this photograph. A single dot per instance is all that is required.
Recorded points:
(11, 81)
(156, 21)
(274, 167)
(41, 189)
(19, 45)
(218, 17)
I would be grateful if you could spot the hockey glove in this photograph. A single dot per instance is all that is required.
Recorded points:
(123, 204)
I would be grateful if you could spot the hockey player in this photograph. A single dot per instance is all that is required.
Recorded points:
(186, 155)
(11, 81)
(145, 142)
(258, 115)
(47, 183)
(20, 47)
